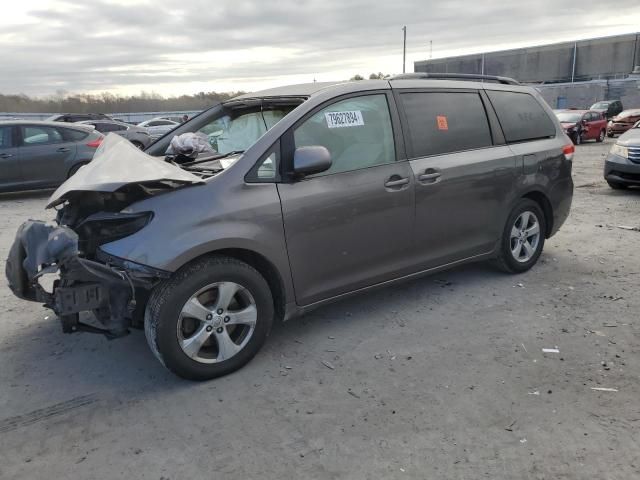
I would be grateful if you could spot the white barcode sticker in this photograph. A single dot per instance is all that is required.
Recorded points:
(344, 119)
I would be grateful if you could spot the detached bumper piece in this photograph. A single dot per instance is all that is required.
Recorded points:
(109, 291)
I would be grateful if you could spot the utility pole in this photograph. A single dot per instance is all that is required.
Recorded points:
(404, 48)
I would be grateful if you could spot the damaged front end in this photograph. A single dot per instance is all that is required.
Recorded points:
(63, 267)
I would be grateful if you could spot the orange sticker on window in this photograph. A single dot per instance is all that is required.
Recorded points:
(442, 122)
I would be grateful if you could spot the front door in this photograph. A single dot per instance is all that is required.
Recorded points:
(349, 227)
(10, 173)
(462, 179)
(45, 155)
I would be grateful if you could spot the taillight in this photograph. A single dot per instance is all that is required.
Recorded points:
(568, 151)
(95, 143)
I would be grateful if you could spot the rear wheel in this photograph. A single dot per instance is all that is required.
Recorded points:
(523, 237)
(137, 144)
(210, 318)
(600, 138)
(617, 186)
(75, 168)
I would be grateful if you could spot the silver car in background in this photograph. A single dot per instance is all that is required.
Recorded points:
(37, 154)
(622, 166)
(157, 127)
(138, 136)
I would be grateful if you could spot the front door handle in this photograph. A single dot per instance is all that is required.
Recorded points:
(62, 150)
(396, 181)
(429, 176)
(5, 155)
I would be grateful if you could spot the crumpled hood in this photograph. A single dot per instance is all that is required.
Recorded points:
(117, 163)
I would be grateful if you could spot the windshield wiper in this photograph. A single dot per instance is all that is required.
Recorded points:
(210, 159)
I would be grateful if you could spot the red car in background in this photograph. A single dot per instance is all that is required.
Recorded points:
(581, 125)
(623, 122)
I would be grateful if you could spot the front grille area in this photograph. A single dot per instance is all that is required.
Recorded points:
(634, 154)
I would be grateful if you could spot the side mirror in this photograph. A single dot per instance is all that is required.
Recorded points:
(310, 160)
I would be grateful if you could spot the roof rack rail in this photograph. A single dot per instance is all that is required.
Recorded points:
(455, 76)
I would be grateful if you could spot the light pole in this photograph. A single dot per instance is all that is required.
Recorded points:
(404, 48)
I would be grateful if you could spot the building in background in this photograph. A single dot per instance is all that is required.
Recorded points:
(568, 74)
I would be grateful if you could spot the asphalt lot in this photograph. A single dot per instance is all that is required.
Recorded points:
(442, 377)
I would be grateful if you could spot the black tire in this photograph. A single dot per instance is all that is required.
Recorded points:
(75, 168)
(617, 186)
(137, 144)
(505, 260)
(168, 298)
(576, 138)
(600, 138)
(610, 135)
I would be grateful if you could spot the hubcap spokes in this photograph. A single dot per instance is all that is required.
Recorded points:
(217, 322)
(525, 236)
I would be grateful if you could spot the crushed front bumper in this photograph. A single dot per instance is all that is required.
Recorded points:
(115, 290)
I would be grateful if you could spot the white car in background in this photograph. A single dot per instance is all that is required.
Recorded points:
(157, 127)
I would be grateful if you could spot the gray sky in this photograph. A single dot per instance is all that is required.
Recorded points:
(187, 46)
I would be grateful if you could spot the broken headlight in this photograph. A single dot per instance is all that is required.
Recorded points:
(105, 227)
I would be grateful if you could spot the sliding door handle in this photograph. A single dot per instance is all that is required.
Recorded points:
(395, 182)
(429, 177)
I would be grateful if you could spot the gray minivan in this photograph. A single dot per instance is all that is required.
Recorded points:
(314, 192)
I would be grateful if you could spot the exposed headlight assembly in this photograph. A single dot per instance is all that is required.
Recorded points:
(620, 150)
(105, 227)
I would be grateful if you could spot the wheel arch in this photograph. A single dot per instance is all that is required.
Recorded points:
(263, 265)
(545, 204)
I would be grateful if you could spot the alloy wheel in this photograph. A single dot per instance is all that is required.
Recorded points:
(525, 236)
(217, 322)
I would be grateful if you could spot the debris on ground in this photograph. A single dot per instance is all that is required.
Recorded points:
(328, 365)
(629, 227)
(509, 428)
(604, 389)
(550, 350)
(537, 392)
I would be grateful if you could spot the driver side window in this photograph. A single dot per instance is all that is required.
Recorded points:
(356, 131)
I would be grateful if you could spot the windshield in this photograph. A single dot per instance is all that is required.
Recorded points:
(233, 126)
(230, 133)
(569, 117)
(600, 105)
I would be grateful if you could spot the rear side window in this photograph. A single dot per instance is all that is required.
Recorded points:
(521, 116)
(444, 122)
(41, 135)
(72, 135)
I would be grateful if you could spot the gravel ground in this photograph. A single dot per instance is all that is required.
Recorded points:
(442, 377)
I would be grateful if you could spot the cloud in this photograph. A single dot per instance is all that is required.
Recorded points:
(172, 46)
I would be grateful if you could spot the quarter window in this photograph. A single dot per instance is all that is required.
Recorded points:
(445, 122)
(357, 132)
(521, 116)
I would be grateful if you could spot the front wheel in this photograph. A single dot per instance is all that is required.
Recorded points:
(600, 138)
(210, 318)
(576, 138)
(523, 237)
